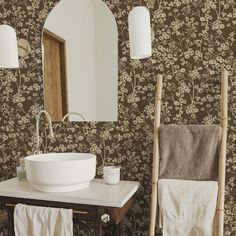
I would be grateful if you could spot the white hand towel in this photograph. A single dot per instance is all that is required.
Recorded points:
(187, 208)
(42, 221)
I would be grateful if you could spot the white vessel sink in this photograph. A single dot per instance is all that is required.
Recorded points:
(60, 172)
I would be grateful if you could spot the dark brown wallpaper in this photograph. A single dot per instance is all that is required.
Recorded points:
(193, 41)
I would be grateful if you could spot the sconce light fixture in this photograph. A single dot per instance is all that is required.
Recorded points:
(140, 33)
(8, 47)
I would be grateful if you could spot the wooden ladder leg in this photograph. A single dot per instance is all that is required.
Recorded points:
(155, 165)
(222, 154)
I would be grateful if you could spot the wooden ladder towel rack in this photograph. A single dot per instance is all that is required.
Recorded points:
(222, 156)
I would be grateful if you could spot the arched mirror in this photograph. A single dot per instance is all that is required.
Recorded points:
(80, 61)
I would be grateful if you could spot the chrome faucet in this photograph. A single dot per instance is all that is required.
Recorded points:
(37, 128)
(73, 113)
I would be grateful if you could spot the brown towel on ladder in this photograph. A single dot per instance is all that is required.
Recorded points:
(189, 152)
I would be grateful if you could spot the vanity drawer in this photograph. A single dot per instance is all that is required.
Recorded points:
(81, 212)
(8, 202)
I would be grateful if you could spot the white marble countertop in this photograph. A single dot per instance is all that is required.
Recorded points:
(98, 193)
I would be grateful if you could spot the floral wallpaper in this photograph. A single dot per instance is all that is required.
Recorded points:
(193, 41)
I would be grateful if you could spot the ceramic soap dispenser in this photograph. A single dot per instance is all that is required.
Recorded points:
(21, 173)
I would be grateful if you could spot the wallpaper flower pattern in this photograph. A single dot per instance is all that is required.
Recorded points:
(193, 41)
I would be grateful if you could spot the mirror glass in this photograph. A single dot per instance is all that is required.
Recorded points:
(80, 61)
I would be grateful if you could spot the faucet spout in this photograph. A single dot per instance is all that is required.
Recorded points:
(73, 113)
(37, 128)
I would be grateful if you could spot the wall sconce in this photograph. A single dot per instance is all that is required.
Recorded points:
(140, 33)
(24, 48)
(8, 47)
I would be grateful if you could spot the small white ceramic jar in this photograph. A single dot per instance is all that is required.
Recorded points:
(111, 174)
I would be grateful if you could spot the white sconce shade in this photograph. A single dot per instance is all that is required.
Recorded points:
(140, 33)
(8, 47)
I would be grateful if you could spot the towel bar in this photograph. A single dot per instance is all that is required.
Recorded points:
(74, 211)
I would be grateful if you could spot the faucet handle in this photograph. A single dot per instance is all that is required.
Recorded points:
(51, 133)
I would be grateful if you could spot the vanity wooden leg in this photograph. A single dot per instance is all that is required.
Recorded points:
(116, 230)
(10, 227)
(98, 229)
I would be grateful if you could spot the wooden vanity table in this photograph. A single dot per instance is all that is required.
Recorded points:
(98, 203)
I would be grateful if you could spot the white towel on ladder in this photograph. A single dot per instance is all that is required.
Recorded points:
(187, 208)
(42, 221)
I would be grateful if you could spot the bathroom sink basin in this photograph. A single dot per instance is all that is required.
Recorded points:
(60, 172)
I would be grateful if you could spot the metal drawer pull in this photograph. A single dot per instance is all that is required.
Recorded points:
(10, 205)
(74, 211)
(105, 218)
(80, 212)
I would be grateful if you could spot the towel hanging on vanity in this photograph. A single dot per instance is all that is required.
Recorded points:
(42, 221)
